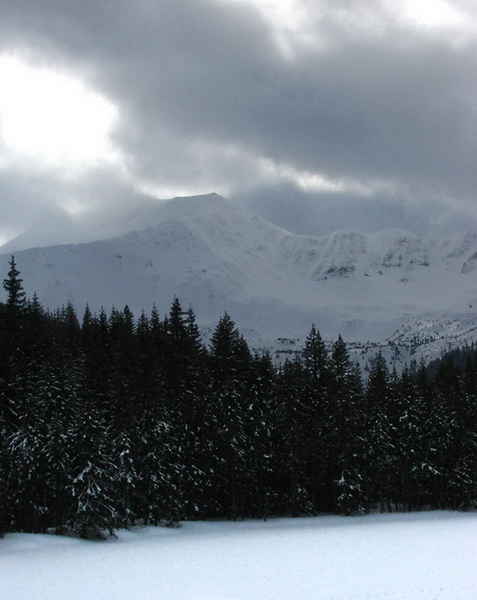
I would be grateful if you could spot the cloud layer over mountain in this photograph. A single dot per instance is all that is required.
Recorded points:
(317, 115)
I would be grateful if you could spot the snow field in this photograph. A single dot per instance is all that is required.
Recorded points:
(419, 556)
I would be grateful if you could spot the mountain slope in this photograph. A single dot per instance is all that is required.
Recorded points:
(217, 257)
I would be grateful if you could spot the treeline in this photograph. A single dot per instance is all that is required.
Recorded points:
(109, 421)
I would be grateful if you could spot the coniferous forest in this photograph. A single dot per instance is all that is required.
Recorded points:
(107, 421)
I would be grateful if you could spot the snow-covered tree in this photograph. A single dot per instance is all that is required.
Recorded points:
(347, 435)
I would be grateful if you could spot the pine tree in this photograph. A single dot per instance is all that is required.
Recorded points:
(347, 432)
(125, 477)
(261, 457)
(407, 425)
(380, 452)
(453, 481)
(16, 297)
(93, 507)
(12, 346)
(315, 357)
(316, 433)
(291, 441)
(229, 360)
(60, 390)
(72, 329)
(183, 360)
(5, 516)
(26, 446)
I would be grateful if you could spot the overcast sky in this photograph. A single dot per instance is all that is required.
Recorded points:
(316, 114)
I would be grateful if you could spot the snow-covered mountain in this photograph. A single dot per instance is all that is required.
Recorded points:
(390, 288)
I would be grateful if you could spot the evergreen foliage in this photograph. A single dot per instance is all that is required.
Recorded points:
(108, 421)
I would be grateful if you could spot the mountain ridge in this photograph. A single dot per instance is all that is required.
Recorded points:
(216, 256)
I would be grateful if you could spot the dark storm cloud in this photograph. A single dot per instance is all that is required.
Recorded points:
(204, 93)
(320, 214)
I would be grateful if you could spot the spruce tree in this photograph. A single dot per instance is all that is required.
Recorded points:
(259, 425)
(16, 297)
(316, 433)
(380, 451)
(5, 516)
(229, 359)
(93, 508)
(347, 435)
(26, 447)
(291, 441)
(452, 479)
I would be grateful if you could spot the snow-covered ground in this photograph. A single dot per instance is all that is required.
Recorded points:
(421, 556)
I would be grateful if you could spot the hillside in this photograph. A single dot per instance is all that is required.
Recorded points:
(386, 287)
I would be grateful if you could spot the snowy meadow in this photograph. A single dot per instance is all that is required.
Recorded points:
(415, 556)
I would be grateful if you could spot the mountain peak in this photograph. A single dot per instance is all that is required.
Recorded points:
(217, 256)
(204, 204)
(65, 229)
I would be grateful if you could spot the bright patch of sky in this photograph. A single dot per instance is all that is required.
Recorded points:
(291, 22)
(318, 182)
(162, 190)
(53, 119)
(437, 14)
(73, 206)
(295, 21)
(4, 238)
